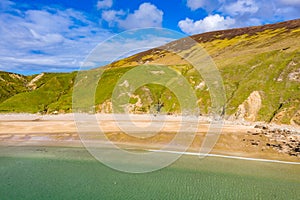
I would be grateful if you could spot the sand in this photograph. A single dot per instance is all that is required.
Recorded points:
(137, 131)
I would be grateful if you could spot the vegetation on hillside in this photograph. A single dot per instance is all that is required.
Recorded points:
(264, 59)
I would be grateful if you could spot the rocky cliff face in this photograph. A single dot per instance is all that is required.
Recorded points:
(248, 110)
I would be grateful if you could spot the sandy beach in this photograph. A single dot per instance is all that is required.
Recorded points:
(236, 139)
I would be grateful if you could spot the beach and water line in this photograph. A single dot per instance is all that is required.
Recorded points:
(47, 166)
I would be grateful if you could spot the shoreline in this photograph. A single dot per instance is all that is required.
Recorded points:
(70, 116)
(251, 140)
(44, 149)
(224, 156)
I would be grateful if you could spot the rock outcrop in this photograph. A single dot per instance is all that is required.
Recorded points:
(32, 84)
(283, 140)
(296, 119)
(295, 75)
(105, 107)
(248, 110)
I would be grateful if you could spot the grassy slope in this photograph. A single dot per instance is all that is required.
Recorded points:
(52, 93)
(247, 61)
(256, 65)
(11, 84)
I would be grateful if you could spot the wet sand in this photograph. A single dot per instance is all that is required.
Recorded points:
(137, 132)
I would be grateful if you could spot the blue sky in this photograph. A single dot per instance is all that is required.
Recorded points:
(56, 35)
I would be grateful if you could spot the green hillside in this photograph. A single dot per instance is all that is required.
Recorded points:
(52, 92)
(260, 67)
(11, 84)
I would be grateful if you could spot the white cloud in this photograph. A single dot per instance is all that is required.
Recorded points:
(104, 4)
(241, 7)
(240, 13)
(6, 4)
(208, 5)
(147, 15)
(195, 4)
(112, 16)
(47, 39)
(290, 2)
(52, 39)
(209, 23)
(245, 12)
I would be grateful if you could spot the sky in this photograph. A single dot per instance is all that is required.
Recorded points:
(57, 35)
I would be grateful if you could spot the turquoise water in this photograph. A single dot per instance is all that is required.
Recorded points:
(71, 173)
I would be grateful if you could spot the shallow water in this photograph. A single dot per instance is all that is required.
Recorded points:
(71, 173)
